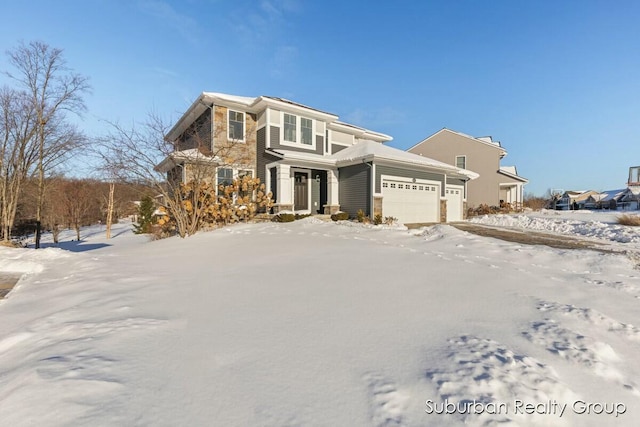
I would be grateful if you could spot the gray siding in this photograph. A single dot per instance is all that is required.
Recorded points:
(355, 192)
(198, 135)
(274, 136)
(388, 170)
(454, 181)
(275, 142)
(261, 144)
(262, 157)
(335, 148)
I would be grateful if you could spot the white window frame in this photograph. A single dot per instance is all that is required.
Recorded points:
(464, 158)
(284, 130)
(244, 125)
(302, 119)
(298, 132)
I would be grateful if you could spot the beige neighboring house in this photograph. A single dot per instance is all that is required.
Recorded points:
(482, 155)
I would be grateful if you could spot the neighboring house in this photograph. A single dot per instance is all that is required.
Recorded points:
(578, 199)
(496, 184)
(311, 161)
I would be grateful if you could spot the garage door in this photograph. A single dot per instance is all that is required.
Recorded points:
(410, 201)
(454, 195)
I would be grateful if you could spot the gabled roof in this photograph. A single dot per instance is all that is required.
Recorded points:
(256, 104)
(511, 172)
(192, 155)
(485, 140)
(366, 151)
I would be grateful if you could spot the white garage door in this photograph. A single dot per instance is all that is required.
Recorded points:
(409, 201)
(454, 195)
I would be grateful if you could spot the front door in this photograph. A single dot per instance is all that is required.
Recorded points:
(300, 191)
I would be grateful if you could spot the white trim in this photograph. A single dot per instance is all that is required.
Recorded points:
(267, 125)
(298, 143)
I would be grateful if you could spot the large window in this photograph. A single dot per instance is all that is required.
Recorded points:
(298, 129)
(290, 130)
(461, 162)
(236, 126)
(306, 130)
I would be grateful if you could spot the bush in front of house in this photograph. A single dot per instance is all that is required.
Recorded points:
(284, 217)
(340, 216)
(146, 218)
(629, 219)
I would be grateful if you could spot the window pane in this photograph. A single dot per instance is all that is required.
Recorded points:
(461, 162)
(225, 176)
(307, 131)
(290, 128)
(236, 125)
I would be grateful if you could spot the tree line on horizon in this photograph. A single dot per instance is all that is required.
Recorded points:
(38, 139)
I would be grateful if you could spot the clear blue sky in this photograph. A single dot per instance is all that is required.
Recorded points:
(557, 82)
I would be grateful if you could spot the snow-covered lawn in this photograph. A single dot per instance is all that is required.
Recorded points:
(323, 324)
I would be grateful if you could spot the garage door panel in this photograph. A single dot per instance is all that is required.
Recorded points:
(410, 202)
(455, 206)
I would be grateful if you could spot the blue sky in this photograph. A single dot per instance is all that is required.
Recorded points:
(557, 82)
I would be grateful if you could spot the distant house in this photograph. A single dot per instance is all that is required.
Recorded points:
(577, 199)
(496, 184)
(311, 161)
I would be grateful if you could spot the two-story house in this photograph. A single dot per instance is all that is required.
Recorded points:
(312, 162)
(497, 184)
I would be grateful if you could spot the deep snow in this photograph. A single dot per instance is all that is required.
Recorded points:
(323, 324)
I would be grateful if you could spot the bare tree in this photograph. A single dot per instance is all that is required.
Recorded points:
(53, 90)
(17, 153)
(78, 198)
(134, 154)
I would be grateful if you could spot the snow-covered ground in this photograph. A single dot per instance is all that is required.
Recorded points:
(323, 324)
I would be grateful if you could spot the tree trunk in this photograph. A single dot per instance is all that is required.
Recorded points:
(112, 187)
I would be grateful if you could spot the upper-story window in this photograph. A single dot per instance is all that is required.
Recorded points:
(461, 162)
(306, 131)
(290, 129)
(236, 126)
(297, 129)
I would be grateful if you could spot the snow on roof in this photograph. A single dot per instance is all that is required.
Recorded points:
(509, 169)
(247, 100)
(366, 150)
(369, 149)
(180, 157)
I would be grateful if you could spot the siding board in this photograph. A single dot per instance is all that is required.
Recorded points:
(355, 192)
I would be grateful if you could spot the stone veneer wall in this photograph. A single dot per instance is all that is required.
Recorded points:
(443, 211)
(234, 152)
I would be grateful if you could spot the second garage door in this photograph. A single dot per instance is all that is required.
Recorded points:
(410, 202)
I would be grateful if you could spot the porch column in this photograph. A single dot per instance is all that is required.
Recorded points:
(332, 188)
(333, 201)
(283, 177)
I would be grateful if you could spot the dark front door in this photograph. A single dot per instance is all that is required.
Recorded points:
(300, 191)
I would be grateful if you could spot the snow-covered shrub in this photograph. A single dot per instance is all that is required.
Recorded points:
(390, 220)
(284, 217)
(200, 207)
(340, 216)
